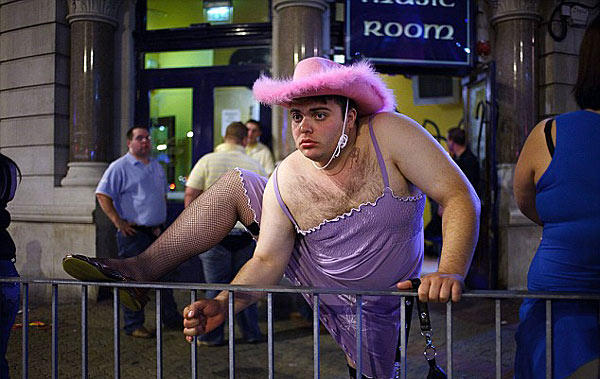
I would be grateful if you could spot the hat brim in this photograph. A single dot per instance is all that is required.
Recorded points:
(358, 82)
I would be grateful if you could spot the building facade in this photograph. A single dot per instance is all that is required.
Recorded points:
(73, 80)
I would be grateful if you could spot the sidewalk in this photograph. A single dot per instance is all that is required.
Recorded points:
(474, 346)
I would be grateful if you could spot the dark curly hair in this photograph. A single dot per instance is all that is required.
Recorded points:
(9, 173)
(587, 87)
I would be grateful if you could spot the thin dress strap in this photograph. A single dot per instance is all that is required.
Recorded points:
(548, 133)
(382, 167)
(284, 207)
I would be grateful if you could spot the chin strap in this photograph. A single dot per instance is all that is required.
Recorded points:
(342, 142)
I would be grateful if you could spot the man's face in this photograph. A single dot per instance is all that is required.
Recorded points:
(316, 127)
(140, 144)
(253, 133)
(451, 147)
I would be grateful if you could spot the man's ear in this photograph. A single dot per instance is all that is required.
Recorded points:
(351, 118)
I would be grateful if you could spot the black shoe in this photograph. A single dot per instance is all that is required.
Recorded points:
(94, 270)
(254, 340)
(199, 342)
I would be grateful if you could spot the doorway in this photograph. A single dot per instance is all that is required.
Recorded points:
(188, 109)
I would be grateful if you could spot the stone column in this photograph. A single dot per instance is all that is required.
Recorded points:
(298, 29)
(516, 48)
(515, 52)
(93, 24)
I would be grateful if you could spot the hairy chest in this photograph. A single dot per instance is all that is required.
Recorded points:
(313, 197)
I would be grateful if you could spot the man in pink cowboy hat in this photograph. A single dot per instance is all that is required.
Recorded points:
(342, 211)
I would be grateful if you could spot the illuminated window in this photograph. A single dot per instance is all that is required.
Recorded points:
(171, 14)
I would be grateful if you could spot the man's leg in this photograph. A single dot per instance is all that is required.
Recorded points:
(248, 318)
(216, 264)
(201, 225)
(130, 246)
(171, 316)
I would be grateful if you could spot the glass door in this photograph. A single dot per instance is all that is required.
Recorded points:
(232, 103)
(171, 130)
(188, 110)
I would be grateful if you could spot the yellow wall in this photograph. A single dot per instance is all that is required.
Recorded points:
(164, 14)
(190, 58)
(178, 59)
(446, 116)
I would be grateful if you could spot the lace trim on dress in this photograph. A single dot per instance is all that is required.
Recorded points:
(359, 208)
(247, 199)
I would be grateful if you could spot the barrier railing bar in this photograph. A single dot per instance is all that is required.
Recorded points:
(230, 319)
(496, 295)
(116, 335)
(291, 289)
(25, 340)
(194, 349)
(402, 363)
(498, 325)
(55, 331)
(449, 339)
(84, 332)
(548, 339)
(359, 336)
(270, 340)
(316, 338)
(159, 362)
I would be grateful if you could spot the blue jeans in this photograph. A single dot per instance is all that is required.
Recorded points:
(220, 265)
(130, 246)
(9, 306)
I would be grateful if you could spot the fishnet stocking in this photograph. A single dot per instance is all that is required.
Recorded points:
(201, 225)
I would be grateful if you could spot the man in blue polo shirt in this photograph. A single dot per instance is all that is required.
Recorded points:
(132, 193)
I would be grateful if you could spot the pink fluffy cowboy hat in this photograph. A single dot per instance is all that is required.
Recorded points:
(319, 76)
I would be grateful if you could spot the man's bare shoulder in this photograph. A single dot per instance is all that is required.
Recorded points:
(393, 123)
(398, 134)
(291, 166)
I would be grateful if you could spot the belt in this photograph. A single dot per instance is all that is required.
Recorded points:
(148, 229)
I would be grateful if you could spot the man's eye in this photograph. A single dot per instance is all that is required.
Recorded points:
(320, 116)
(296, 117)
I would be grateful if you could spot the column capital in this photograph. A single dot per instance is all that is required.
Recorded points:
(505, 10)
(106, 11)
(279, 5)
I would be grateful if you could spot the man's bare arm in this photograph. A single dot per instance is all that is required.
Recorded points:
(425, 164)
(107, 205)
(265, 268)
(190, 194)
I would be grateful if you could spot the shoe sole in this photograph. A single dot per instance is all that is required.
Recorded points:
(143, 335)
(87, 272)
(200, 343)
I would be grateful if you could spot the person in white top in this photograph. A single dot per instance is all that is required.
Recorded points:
(257, 150)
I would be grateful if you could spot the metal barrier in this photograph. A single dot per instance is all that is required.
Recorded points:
(498, 296)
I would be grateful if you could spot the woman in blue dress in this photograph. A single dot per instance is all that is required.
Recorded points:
(557, 185)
